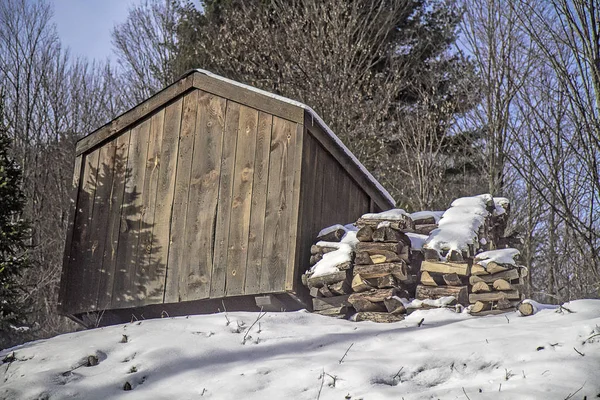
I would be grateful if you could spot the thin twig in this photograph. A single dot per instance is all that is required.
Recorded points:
(594, 335)
(397, 374)
(561, 307)
(322, 382)
(421, 322)
(344, 356)
(260, 315)
(226, 316)
(578, 352)
(465, 392)
(507, 320)
(571, 395)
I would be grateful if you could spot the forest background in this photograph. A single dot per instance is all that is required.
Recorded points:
(438, 98)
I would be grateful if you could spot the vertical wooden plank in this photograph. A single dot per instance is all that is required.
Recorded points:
(99, 224)
(109, 259)
(150, 273)
(259, 204)
(81, 249)
(243, 175)
(165, 190)
(277, 217)
(221, 245)
(295, 165)
(125, 290)
(62, 300)
(180, 199)
(197, 265)
(317, 221)
(307, 200)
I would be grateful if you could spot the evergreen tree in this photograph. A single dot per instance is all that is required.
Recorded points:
(14, 232)
(381, 73)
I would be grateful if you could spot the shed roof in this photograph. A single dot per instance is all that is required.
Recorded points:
(206, 80)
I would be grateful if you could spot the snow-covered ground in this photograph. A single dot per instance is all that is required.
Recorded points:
(550, 355)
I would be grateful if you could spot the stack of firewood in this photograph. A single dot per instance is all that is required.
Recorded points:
(453, 262)
(382, 272)
(442, 279)
(496, 282)
(329, 278)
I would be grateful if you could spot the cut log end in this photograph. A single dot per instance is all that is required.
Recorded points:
(526, 309)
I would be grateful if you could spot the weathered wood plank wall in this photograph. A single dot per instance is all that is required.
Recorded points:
(193, 202)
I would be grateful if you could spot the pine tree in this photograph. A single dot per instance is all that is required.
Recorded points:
(13, 235)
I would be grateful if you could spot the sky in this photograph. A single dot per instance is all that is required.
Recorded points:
(85, 25)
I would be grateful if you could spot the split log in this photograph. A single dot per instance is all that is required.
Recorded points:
(425, 229)
(328, 279)
(431, 254)
(373, 295)
(325, 292)
(340, 288)
(526, 309)
(455, 256)
(431, 279)
(445, 267)
(369, 301)
(377, 247)
(493, 267)
(314, 249)
(492, 312)
(380, 317)
(452, 279)
(398, 270)
(362, 258)
(315, 258)
(390, 235)
(404, 224)
(429, 220)
(314, 292)
(477, 269)
(330, 302)
(365, 234)
(334, 235)
(509, 275)
(501, 284)
(480, 287)
(394, 305)
(382, 282)
(504, 304)
(494, 296)
(460, 293)
(359, 284)
(480, 306)
(338, 312)
(344, 266)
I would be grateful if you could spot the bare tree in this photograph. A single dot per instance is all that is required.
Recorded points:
(145, 45)
(562, 145)
(51, 101)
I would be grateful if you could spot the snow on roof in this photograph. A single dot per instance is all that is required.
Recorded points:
(459, 225)
(316, 117)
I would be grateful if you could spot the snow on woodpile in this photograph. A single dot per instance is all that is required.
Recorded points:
(337, 259)
(422, 217)
(416, 240)
(460, 226)
(395, 218)
(506, 257)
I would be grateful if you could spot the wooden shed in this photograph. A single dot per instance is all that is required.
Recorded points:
(209, 193)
